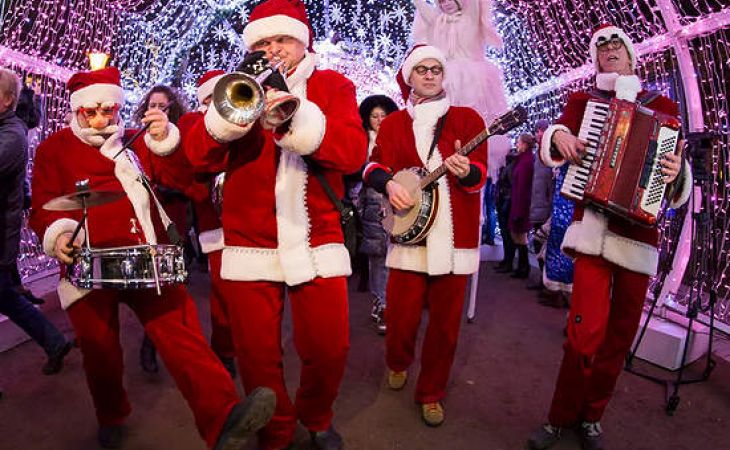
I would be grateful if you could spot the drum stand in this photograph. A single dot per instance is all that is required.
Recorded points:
(700, 145)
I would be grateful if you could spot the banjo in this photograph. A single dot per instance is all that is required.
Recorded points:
(412, 225)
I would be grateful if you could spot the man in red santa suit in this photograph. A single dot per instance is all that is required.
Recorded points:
(282, 232)
(613, 257)
(92, 149)
(435, 271)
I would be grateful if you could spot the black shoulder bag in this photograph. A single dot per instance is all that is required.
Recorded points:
(349, 218)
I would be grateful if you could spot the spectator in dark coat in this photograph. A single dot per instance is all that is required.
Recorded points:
(504, 201)
(375, 240)
(541, 201)
(519, 214)
(13, 159)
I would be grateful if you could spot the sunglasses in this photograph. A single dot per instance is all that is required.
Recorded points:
(435, 70)
(90, 113)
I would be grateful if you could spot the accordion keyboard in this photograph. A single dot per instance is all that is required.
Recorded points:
(651, 199)
(577, 176)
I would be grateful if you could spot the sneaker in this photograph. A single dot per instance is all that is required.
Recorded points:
(54, 363)
(545, 437)
(432, 414)
(591, 436)
(376, 310)
(245, 418)
(329, 439)
(396, 380)
(380, 323)
(110, 436)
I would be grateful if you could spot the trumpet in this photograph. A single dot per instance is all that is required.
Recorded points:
(240, 98)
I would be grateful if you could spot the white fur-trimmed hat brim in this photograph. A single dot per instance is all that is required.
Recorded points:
(96, 95)
(274, 26)
(206, 89)
(419, 54)
(607, 33)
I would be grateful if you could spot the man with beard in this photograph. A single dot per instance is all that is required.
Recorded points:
(92, 149)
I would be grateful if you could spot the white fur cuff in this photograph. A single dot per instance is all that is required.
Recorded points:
(546, 146)
(165, 146)
(55, 230)
(222, 130)
(306, 131)
(211, 241)
(68, 294)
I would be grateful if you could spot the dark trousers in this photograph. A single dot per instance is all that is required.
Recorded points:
(26, 316)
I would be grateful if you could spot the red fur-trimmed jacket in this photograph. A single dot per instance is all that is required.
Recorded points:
(594, 233)
(62, 160)
(403, 141)
(279, 225)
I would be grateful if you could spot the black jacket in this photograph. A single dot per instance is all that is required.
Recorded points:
(13, 160)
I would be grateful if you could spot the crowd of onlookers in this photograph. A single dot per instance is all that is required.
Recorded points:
(532, 216)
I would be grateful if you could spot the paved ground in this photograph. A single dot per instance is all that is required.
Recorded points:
(500, 388)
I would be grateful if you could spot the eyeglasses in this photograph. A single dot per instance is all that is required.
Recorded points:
(604, 45)
(108, 112)
(435, 70)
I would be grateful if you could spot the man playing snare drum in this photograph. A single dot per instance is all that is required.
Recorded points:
(92, 149)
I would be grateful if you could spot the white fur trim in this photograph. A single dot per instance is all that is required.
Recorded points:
(256, 264)
(685, 190)
(418, 55)
(546, 146)
(275, 25)
(554, 286)
(306, 131)
(206, 89)
(68, 294)
(606, 33)
(97, 94)
(211, 240)
(165, 146)
(592, 237)
(127, 171)
(297, 81)
(55, 230)
(586, 236)
(628, 87)
(415, 259)
(629, 254)
(222, 130)
(606, 81)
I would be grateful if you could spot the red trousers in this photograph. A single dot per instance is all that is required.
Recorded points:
(171, 322)
(221, 340)
(321, 337)
(407, 293)
(604, 315)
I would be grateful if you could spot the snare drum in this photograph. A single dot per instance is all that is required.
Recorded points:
(129, 267)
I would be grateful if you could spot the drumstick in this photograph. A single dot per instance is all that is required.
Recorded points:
(76, 231)
(137, 135)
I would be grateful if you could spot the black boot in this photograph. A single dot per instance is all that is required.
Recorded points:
(148, 356)
(54, 364)
(329, 439)
(523, 266)
(110, 436)
(509, 255)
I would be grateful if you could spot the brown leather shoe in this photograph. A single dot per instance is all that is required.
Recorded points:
(432, 414)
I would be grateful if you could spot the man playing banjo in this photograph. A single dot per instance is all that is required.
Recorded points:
(434, 272)
(92, 149)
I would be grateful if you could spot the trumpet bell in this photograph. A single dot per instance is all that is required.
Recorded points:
(239, 98)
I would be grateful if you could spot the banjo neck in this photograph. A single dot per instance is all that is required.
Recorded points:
(463, 151)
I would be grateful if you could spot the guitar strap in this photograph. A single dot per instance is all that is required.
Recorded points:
(436, 137)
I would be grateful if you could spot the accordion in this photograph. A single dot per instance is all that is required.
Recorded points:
(621, 171)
